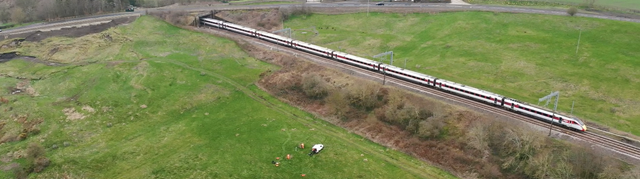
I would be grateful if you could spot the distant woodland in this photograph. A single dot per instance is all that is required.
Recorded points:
(20, 11)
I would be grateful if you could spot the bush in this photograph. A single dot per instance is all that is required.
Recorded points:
(338, 104)
(37, 161)
(314, 87)
(366, 97)
(572, 11)
(35, 150)
(40, 164)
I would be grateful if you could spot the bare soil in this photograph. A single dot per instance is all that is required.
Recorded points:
(5, 57)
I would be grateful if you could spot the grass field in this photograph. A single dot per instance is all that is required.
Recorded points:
(150, 100)
(524, 56)
(622, 4)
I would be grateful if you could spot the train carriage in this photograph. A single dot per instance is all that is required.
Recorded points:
(275, 38)
(325, 52)
(362, 62)
(409, 75)
(575, 124)
(471, 92)
(240, 29)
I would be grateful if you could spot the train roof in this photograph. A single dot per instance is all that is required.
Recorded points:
(360, 58)
(469, 88)
(409, 72)
(274, 35)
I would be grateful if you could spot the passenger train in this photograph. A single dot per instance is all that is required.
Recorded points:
(415, 77)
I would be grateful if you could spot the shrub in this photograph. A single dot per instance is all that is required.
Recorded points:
(34, 151)
(338, 103)
(314, 87)
(431, 128)
(8, 137)
(572, 11)
(37, 161)
(40, 164)
(366, 97)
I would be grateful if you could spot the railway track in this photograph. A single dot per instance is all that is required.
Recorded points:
(625, 152)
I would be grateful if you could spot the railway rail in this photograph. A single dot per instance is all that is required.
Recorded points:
(624, 151)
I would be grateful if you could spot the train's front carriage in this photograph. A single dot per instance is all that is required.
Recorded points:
(580, 125)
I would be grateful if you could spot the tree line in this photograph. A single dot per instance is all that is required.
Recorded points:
(21, 11)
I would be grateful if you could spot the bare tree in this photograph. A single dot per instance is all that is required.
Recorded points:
(572, 11)
(46, 9)
(18, 15)
(5, 16)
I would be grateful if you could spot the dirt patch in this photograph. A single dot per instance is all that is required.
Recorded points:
(72, 114)
(5, 57)
(23, 87)
(88, 109)
(10, 167)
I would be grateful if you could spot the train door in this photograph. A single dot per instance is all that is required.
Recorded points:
(495, 101)
(559, 119)
(502, 103)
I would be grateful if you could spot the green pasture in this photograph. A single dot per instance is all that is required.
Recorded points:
(523, 56)
(621, 4)
(162, 102)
